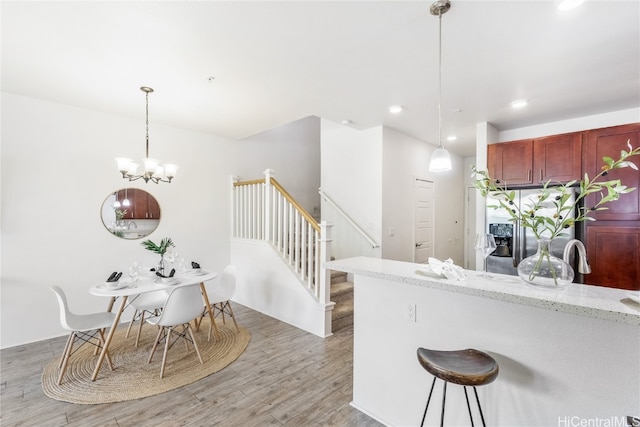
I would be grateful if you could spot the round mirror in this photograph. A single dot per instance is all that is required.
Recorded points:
(130, 213)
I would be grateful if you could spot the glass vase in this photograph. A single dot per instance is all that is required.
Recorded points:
(160, 267)
(545, 270)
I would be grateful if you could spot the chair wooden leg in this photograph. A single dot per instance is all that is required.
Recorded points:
(66, 357)
(140, 327)
(107, 356)
(164, 355)
(64, 352)
(133, 319)
(184, 332)
(224, 321)
(195, 344)
(198, 320)
(233, 316)
(213, 325)
(155, 344)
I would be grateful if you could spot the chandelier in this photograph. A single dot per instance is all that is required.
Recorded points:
(153, 171)
(440, 158)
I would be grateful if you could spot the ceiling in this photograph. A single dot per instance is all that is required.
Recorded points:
(236, 68)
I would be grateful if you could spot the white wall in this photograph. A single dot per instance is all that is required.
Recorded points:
(57, 169)
(292, 151)
(267, 284)
(596, 121)
(352, 177)
(371, 173)
(405, 159)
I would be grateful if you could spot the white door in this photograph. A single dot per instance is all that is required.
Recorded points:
(423, 221)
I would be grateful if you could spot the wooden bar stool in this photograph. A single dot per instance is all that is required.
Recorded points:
(464, 367)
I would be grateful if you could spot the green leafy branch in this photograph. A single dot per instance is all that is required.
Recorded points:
(165, 244)
(557, 197)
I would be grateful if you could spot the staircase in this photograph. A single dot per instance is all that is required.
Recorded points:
(342, 296)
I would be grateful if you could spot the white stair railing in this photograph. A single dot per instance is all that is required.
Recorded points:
(346, 216)
(264, 210)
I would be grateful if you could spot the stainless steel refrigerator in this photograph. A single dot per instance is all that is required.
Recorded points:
(515, 242)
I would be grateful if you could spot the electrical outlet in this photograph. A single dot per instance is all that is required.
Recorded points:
(411, 312)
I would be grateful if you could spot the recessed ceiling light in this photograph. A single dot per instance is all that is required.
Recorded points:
(569, 4)
(452, 138)
(520, 103)
(346, 122)
(395, 109)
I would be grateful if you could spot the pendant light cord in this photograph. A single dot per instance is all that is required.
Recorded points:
(440, 78)
(147, 122)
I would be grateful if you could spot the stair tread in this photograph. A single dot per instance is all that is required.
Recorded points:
(341, 288)
(336, 276)
(341, 311)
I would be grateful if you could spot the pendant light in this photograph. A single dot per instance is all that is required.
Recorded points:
(152, 170)
(126, 202)
(116, 204)
(440, 158)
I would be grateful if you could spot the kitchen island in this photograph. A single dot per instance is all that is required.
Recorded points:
(567, 357)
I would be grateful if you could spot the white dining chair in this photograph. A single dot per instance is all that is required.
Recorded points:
(87, 328)
(146, 305)
(220, 295)
(183, 305)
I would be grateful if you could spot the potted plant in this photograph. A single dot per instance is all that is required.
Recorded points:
(558, 200)
(160, 249)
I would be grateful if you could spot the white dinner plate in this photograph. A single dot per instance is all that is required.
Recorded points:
(109, 285)
(175, 281)
(199, 272)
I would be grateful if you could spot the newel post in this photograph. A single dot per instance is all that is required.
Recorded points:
(235, 222)
(268, 191)
(326, 238)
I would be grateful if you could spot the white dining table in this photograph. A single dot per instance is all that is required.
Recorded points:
(129, 288)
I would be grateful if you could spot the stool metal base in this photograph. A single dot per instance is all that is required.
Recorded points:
(444, 397)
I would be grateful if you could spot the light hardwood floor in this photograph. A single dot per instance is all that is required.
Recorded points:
(286, 377)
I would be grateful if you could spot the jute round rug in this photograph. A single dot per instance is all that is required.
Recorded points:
(134, 378)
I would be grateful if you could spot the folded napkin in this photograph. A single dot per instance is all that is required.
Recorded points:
(114, 277)
(194, 265)
(173, 271)
(447, 269)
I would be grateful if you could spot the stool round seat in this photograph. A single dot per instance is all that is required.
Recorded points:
(467, 367)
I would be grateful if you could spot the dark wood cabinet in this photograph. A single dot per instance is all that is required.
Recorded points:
(557, 158)
(613, 240)
(614, 256)
(513, 162)
(609, 142)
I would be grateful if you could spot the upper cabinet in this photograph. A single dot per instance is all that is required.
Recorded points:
(536, 161)
(557, 158)
(513, 162)
(609, 142)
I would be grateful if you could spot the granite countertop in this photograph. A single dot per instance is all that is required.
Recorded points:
(583, 300)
